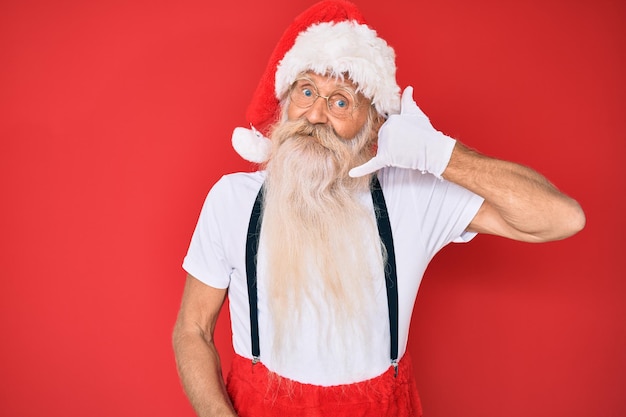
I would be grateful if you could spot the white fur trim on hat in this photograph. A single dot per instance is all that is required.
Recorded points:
(340, 48)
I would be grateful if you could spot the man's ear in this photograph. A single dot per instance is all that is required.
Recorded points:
(378, 121)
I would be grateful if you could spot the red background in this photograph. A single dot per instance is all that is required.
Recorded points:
(115, 120)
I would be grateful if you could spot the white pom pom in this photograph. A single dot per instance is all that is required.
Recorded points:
(251, 145)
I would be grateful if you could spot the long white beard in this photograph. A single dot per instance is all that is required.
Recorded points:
(321, 241)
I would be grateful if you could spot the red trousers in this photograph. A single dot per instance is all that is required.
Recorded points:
(256, 392)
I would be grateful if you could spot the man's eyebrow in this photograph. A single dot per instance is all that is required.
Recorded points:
(345, 85)
(340, 84)
(348, 85)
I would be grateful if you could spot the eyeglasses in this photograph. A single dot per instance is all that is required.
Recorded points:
(341, 102)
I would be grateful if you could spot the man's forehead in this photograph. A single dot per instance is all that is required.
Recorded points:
(331, 80)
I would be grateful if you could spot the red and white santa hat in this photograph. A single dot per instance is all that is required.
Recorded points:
(329, 38)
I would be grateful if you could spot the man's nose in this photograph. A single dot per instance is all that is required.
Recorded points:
(318, 112)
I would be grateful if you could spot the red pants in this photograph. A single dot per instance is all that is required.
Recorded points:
(256, 392)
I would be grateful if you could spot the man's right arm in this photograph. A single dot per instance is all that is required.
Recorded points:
(196, 355)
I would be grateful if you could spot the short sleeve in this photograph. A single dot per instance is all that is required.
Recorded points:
(438, 211)
(205, 259)
(217, 248)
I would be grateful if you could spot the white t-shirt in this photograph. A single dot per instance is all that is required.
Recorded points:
(426, 214)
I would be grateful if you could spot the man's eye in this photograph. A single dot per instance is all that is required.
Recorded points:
(307, 92)
(340, 101)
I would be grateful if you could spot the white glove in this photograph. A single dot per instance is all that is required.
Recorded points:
(408, 140)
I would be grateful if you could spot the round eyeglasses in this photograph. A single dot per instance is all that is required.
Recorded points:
(341, 102)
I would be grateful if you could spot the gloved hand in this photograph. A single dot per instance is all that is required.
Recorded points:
(408, 140)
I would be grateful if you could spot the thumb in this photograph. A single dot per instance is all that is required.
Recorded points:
(408, 105)
(370, 166)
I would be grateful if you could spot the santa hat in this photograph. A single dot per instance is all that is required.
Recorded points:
(330, 38)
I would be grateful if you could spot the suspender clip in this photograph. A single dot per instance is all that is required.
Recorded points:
(394, 363)
(255, 360)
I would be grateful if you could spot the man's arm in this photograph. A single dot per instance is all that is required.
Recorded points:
(196, 356)
(519, 203)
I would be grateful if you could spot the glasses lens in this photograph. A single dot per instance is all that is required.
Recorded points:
(303, 93)
(340, 103)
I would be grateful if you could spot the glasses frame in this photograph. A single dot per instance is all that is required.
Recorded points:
(316, 91)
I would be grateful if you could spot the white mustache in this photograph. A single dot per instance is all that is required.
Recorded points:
(303, 127)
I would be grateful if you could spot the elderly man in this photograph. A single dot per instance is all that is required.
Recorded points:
(322, 252)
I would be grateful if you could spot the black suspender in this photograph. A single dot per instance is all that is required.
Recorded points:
(391, 279)
(252, 247)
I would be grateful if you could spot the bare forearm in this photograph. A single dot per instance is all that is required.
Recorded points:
(529, 206)
(201, 375)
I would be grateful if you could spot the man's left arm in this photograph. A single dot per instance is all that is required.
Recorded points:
(519, 202)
